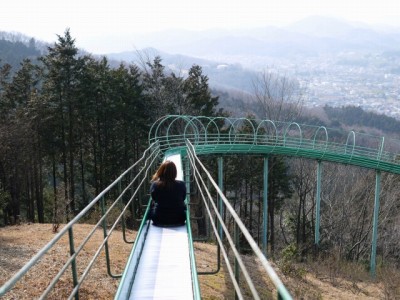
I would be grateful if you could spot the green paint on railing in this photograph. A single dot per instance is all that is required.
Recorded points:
(218, 135)
(195, 280)
(136, 251)
(221, 135)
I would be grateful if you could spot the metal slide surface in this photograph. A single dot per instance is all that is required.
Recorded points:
(164, 270)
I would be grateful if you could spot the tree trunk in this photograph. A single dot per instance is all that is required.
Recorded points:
(38, 196)
(271, 213)
(40, 205)
(71, 159)
(64, 163)
(251, 209)
(15, 197)
(304, 221)
(84, 200)
(29, 194)
(56, 220)
(298, 221)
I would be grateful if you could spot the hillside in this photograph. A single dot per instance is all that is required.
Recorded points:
(340, 64)
(329, 280)
(14, 48)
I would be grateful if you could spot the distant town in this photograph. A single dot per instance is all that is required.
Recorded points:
(335, 62)
(372, 82)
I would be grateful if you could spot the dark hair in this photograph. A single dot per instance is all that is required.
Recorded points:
(165, 174)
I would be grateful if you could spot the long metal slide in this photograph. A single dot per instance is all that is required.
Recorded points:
(161, 264)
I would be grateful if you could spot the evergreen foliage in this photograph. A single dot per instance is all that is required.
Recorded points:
(72, 124)
(13, 53)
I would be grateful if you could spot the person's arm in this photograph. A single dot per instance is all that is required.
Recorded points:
(153, 192)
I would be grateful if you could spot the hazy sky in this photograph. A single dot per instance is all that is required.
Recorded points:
(89, 19)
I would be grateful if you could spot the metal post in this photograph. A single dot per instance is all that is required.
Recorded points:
(104, 225)
(318, 203)
(187, 180)
(218, 263)
(133, 202)
(237, 245)
(265, 208)
(375, 223)
(123, 220)
(121, 207)
(221, 187)
(73, 262)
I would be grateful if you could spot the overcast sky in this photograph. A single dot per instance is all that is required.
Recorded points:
(90, 19)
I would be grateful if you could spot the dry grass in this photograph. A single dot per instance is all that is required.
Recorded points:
(19, 243)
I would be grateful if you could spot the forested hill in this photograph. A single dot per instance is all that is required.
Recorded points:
(13, 53)
(356, 116)
(79, 122)
(333, 117)
(15, 47)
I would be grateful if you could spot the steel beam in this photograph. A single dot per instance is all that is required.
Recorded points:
(265, 207)
(375, 223)
(318, 203)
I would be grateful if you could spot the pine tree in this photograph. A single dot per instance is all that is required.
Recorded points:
(60, 91)
(198, 95)
(21, 165)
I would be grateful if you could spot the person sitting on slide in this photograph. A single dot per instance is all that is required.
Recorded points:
(168, 195)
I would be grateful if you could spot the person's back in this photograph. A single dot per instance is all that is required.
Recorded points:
(169, 195)
(169, 203)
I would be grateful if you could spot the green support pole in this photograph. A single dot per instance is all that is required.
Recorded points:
(265, 208)
(375, 223)
(221, 186)
(218, 246)
(318, 203)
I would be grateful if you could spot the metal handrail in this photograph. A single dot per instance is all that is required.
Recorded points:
(282, 291)
(230, 134)
(135, 255)
(195, 280)
(148, 159)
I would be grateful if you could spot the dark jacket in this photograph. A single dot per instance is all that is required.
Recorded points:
(169, 206)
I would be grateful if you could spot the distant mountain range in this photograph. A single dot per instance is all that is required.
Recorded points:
(231, 58)
(309, 37)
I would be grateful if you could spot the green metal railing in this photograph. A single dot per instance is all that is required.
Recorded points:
(223, 135)
(134, 259)
(125, 188)
(125, 287)
(211, 135)
(194, 136)
(224, 231)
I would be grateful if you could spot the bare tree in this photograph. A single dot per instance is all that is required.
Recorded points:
(389, 219)
(279, 97)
